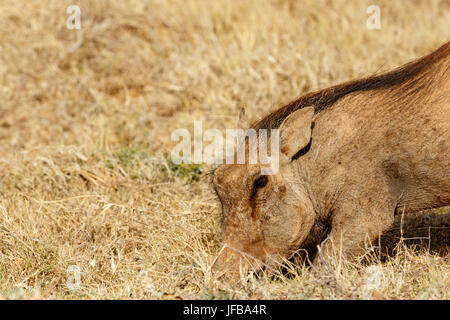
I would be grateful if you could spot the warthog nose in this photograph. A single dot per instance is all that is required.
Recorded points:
(231, 263)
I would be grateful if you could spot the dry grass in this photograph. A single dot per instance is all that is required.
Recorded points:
(86, 118)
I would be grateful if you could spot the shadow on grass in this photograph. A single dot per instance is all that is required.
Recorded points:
(427, 231)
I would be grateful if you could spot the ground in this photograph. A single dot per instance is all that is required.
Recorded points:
(91, 205)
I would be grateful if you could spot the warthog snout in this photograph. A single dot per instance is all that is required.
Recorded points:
(232, 263)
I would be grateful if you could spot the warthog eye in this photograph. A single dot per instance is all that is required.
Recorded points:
(260, 182)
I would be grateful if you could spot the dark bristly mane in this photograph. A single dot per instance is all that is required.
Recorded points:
(323, 99)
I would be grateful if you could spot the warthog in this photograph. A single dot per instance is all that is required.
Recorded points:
(351, 157)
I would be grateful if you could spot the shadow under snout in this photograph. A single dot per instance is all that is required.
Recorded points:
(232, 265)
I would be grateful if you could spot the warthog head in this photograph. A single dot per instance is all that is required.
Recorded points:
(265, 217)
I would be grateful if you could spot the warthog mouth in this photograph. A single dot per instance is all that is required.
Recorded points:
(247, 265)
(250, 266)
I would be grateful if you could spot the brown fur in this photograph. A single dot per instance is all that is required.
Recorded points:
(378, 146)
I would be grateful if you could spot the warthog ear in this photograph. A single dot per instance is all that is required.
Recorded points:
(243, 122)
(295, 132)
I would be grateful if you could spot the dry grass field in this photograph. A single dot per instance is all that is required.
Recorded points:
(86, 118)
